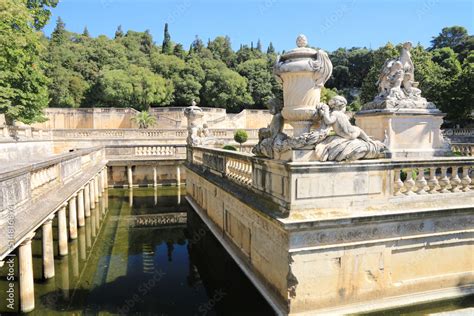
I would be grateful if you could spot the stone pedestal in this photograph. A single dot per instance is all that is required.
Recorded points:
(27, 287)
(48, 250)
(408, 133)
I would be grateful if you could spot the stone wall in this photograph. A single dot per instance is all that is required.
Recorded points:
(167, 118)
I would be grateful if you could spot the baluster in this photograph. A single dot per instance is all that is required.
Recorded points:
(409, 182)
(421, 181)
(398, 183)
(455, 181)
(433, 181)
(444, 181)
(466, 180)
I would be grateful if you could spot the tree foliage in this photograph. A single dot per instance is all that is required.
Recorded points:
(23, 83)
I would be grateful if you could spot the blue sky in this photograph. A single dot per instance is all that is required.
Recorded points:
(327, 24)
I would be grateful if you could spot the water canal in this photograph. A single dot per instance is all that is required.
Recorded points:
(144, 251)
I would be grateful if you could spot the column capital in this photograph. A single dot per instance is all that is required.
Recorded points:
(49, 218)
(28, 238)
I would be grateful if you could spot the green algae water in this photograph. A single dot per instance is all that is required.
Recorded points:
(141, 252)
(144, 251)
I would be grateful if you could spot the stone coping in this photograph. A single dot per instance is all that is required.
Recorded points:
(400, 112)
(36, 211)
(25, 167)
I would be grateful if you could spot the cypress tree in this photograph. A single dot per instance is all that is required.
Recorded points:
(119, 32)
(166, 47)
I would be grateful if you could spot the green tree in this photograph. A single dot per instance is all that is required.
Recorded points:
(167, 47)
(240, 136)
(144, 119)
(453, 36)
(40, 11)
(259, 80)
(221, 49)
(270, 49)
(86, 32)
(136, 87)
(59, 34)
(119, 32)
(23, 84)
(224, 87)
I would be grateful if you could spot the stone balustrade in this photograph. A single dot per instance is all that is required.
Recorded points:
(19, 185)
(298, 186)
(459, 131)
(464, 149)
(22, 133)
(155, 151)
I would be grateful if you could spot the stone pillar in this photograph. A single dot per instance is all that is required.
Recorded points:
(62, 231)
(155, 178)
(48, 250)
(27, 286)
(100, 183)
(92, 192)
(87, 200)
(106, 177)
(130, 176)
(80, 208)
(96, 188)
(178, 175)
(72, 217)
(102, 174)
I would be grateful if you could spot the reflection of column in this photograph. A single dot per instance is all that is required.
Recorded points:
(62, 231)
(82, 243)
(74, 259)
(87, 200)
(48, 250)
(179, 195)
(92, 192)
(102, 206)
(72, 217)
(96, 188)
(155, 178)
(130, 176)
(178, 175)
(64, 268)
(106, 199)
(93, 224)
(27, 290)
(80, 208)
(97, 219)
(130, 197)
(88, 232)
(156, 195)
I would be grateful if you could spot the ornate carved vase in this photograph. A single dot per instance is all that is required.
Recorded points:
(302, 72)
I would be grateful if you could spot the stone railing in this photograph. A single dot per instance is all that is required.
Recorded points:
(132, 134)
(444, 176)
(155, 151)
(23, 182)
(234, 166)
(145, 152)
(463, 149)
(365, 184)
(459, 132)
(22, 133)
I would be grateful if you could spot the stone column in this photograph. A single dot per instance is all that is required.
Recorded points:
(72, 217)
(87, 200)
(100, 183)
(62, 231)
(48, 250)
(130, 176)
(106, 177)
(96, 188)
(102, 174)
(92, 191)
(80, 208)
(155, 177)
(27, 286)
(178, 175)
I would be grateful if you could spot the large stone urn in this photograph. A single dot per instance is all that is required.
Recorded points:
(303, 71)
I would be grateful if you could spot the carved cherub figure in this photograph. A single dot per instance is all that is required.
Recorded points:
(338, 120)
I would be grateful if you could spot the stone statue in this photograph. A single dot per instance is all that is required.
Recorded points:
(397, 86)
(198, 132)
(335, 138)
(269, 137)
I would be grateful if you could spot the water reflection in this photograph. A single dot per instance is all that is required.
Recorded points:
(133, 256)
